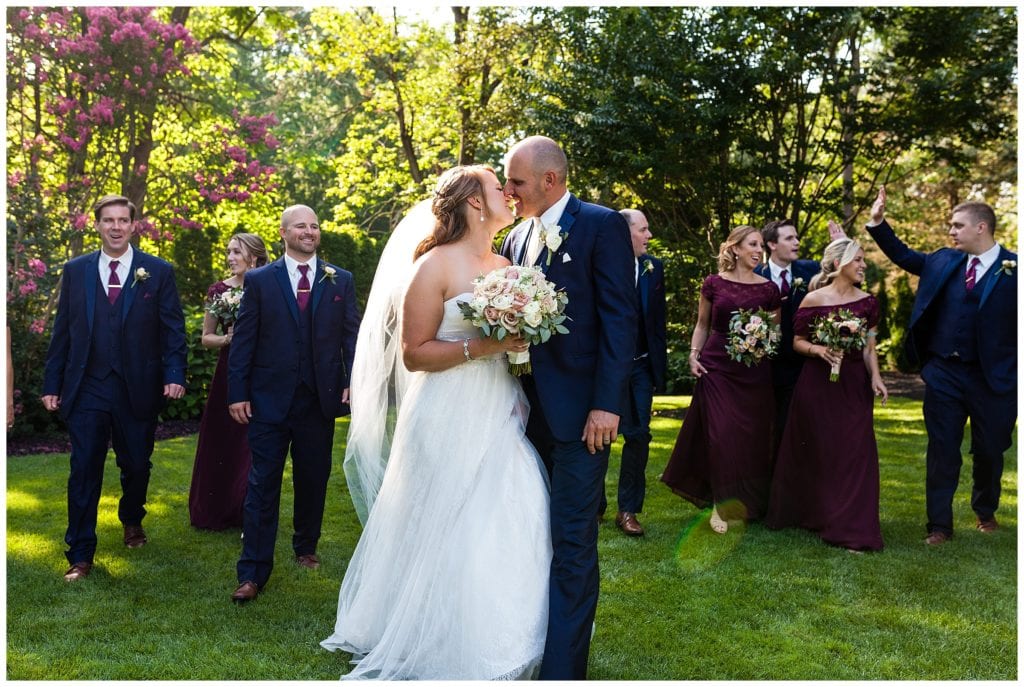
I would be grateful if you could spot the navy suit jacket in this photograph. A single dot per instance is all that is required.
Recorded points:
(589, 367)
(652, 300)
(153, 348)
(787, 363)
(997, 308)
(263, 366)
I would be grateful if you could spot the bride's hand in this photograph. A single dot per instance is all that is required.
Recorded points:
(514, 344)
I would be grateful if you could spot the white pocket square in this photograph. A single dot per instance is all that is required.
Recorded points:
(566, 258)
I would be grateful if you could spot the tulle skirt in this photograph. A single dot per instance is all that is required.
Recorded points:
(449, 580)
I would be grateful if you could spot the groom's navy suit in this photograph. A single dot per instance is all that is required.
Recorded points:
(292, 366)
(966, 342)
(572, 374)
(787, 363)
(108, 363)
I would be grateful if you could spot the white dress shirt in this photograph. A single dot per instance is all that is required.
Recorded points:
(776, 273)
(986, 260)
(124, 267)
(550, 218)
(294, 274)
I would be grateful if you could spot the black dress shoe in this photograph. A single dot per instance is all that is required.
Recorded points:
(247, 591)
(78, 570)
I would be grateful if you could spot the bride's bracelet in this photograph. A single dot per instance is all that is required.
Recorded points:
(465, 349)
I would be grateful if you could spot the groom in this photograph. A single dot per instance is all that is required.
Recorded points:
(579, 380)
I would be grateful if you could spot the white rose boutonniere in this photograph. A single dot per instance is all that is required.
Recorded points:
(648, 267)
(140, 275)
(329, 273)
(1008, 267)
(798, 284)
(552, 237)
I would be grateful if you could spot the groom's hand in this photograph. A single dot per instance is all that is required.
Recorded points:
(240, 412)
(601, 430)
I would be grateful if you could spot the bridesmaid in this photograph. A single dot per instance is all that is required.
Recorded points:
(722, 457)
(826, 476)
(221, 470)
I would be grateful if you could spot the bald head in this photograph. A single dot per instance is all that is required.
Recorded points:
(540, 154)
(290, 213)
(535, 171)
(639, 232)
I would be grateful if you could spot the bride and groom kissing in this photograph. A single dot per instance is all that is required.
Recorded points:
(478, 559)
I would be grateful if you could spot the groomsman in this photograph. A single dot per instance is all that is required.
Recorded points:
(288, 376)
(646, 377)
(579, 380)
(963, 331)
(792, 276)
(117, 352)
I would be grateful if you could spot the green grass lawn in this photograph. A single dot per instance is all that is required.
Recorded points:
(680, 603)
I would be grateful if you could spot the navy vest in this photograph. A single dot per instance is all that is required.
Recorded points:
(307, 372)
(956, 319)
(105, 347)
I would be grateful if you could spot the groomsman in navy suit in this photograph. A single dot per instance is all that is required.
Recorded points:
(117, 353)
(647, 376)
(963, 331)
(578, 385)
(288, 376)
(792, 276)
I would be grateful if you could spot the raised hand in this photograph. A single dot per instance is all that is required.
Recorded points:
(878, 208)
(835, 231)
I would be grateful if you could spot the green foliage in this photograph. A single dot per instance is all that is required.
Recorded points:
(353, 250)
(754, 604)
(900, 302)
(202, 363)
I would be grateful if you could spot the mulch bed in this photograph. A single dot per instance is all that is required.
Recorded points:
(26, 446)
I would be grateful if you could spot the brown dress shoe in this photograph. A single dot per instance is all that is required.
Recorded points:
(247, 591)
(78, 570)
(987, 526)
(308, 560)
(628, 523)
(935, 538)
(134, 536)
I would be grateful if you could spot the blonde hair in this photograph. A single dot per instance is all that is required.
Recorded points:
(841, 250)
(726, 259)
(454, 188)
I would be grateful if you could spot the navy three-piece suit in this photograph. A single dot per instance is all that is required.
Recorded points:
(292, 366)
(966, 341)
(109, 363)
(573, 374)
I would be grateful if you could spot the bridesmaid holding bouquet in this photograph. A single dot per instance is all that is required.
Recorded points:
(221, 470)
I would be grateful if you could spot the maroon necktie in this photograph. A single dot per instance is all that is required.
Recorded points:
(785, 283)
(972, 270)
(302, 293)
(113, 284)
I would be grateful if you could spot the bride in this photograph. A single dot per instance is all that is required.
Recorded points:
(449, 580)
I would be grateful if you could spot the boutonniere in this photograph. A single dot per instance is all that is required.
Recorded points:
(140, 275)
(552, 237)
(798, 284)
(1008, 267)
(329, 273)
(648, 267)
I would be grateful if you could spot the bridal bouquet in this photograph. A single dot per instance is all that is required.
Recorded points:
(224, 306)
(752, 336)
(840, 330)
(517, 300)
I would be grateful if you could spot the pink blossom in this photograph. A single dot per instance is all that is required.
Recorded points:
(37, 326)
(37, 266)
(80, 221)
(28, 287)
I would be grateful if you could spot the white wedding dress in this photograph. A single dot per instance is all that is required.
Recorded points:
(449, 580)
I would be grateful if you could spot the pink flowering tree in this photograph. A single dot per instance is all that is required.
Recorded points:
(116, 100)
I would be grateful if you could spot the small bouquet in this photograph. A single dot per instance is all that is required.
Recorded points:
(840, 330)
(752, 336)
(517, 300)
(224, 306)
